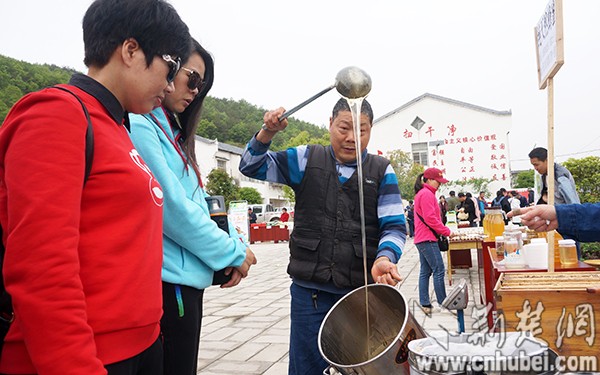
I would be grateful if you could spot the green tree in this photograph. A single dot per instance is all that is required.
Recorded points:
(18, 78)
(305, 138)
(250, 194)
(406, 171)
(220, 183)
(586, 173)
(207, 129)
(524, 179)
(288, 193)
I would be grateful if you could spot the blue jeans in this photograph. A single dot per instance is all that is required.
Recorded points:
(431, 263)
(308, 309)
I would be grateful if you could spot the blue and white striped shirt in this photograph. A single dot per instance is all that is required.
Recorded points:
(287, 167)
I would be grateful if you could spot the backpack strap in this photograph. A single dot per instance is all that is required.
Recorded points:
(89, 135)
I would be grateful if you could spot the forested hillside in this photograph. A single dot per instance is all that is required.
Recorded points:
(18, 78)
(227, 120)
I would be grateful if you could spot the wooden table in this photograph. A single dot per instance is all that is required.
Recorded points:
(492, 270)
(460, 245)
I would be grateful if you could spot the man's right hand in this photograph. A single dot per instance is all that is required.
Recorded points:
(271, 125)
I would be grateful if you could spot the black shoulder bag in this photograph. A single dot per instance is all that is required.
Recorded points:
(7, 315)
(442, 241)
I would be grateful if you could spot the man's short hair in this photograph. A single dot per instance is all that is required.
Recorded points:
(154, 24)
(342, 105)
(452, 193)
(539, 153)
(460, 195)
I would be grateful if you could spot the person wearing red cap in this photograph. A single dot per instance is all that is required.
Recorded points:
(428, 225)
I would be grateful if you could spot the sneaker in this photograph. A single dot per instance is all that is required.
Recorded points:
(428, 309)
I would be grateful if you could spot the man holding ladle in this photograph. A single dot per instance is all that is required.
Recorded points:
(326, 254)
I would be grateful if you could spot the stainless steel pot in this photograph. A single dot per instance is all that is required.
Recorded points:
(343, 333)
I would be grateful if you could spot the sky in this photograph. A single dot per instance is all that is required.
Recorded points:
(279, 53)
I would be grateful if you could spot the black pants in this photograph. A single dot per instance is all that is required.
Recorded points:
(148, 362)
(181, 334)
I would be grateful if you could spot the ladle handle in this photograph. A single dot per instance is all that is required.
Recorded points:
(304, 103)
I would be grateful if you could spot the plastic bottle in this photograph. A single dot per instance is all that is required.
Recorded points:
(500, 246)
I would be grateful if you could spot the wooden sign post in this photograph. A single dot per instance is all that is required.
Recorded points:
(550, 57)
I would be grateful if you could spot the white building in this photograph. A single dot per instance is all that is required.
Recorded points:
(463, 140)
(213, 154)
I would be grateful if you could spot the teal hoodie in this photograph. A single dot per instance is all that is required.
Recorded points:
(193, 245)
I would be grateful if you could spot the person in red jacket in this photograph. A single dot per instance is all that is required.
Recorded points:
(83, 259)
(285, 217)
(428, 225)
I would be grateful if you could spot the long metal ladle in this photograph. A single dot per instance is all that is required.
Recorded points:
(351, 82)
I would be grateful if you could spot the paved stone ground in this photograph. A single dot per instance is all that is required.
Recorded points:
(245, 329)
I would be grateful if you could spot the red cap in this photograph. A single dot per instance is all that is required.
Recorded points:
(434, 174)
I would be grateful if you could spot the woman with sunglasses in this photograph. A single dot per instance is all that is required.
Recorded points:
(193, 245)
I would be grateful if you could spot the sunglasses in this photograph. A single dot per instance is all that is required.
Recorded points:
(194, 79)
(174, 65)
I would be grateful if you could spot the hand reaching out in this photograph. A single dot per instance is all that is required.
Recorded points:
(541, 218)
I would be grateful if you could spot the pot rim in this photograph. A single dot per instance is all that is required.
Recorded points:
(384, 352)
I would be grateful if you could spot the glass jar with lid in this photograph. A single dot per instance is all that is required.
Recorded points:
(493, 223)
(567, 252)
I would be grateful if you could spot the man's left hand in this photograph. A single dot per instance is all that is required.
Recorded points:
(385, 272)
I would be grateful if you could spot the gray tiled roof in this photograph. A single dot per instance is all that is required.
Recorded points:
(222, 146)
(446, 100)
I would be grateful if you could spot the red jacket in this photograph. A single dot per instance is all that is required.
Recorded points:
(82, 265)
(427, 206)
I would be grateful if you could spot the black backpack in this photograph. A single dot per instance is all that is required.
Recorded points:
(6, 311)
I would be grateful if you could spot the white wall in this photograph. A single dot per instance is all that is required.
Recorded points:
(484, 154)
(208, 152)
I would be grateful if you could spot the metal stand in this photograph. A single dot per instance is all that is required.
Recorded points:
(458, 299)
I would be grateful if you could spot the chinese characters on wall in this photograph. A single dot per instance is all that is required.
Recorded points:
(480, 154)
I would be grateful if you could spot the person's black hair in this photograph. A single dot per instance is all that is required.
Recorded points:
(154, 24)
(342, 105)
(452, 193)
(461, 194)
(284, 209)
(499, 194)
(189, 119)
(469, 195)
(419, 182)
(539, 153)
